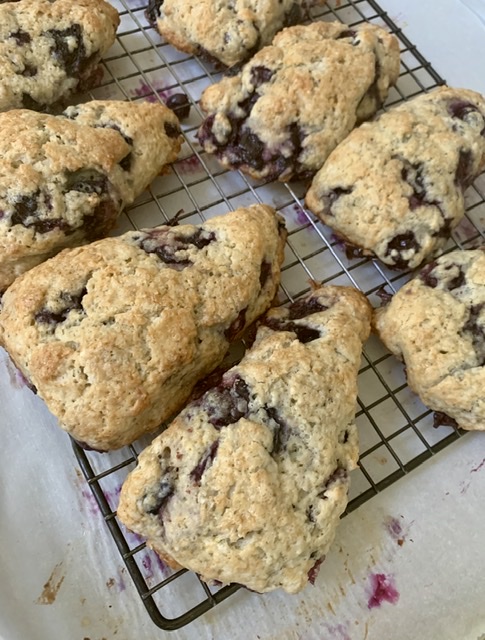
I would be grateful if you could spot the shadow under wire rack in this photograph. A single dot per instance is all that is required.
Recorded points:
(396, 430)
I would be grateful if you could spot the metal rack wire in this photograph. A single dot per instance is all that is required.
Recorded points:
(396, 430)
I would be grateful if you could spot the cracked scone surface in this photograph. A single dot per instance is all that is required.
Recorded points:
(436, 324)
(115, 334)
(295, 100)
(394, 188)
(228, 32)
(248, 483)
(48, 50)
(64, 179)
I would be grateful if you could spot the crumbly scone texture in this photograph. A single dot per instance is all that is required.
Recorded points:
(64, 179)
(248, 483)
(394, 187)
(115, 334)
(48, 49)
(228, 32)
(295, 100)
(436, 324)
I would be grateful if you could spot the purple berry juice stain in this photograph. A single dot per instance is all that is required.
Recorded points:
(382, 589)
(478, 467)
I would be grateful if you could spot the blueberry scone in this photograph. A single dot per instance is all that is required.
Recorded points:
(248, 483)
(295, 100)
(394, 187)
(436, 325)
(115, 334)
(225, 32)
(49, 49)
(64, 179)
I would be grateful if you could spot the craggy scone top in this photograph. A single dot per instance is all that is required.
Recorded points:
(50, 49)
(248, 483)
(395, 187)
(295, 100)
(115, 334)
(64, 179)
(436, 324)
(227, 32)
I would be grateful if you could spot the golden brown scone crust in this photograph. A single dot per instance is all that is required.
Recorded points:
(436, 324)
(228, 32)
(64, 179)
(296, 99)
(48, 50)
(115, 334)
(248, 483)
(394, 187)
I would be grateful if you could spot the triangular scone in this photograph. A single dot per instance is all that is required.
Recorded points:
(436, 324)
(64, 179)
(114, 335)
(48, 50)
(248, 483)
(394, 188)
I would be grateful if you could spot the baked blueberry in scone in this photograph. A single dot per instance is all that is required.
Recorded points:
(248, 483)
(64, 179)
(48, 50)
(294, 101)
(115, 334)
(228, 32)
(436, 325)
(394, 188)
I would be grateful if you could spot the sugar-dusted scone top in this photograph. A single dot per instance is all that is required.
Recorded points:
(64, 179)
(115, 334)
(394, 187)
(248, 483)
(48, 50)
(436, 324)
(228, 32)
(296, 99)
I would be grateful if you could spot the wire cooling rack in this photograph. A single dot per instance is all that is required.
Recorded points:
(396, 430)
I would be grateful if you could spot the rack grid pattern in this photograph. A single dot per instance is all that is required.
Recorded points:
(396, 430)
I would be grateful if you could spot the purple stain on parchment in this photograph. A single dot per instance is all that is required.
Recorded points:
(337, 632)
(90, 502)
(190, 164)
(478, 467)
(381, 589)
(301, 217)
(151, 561)
(145, 91)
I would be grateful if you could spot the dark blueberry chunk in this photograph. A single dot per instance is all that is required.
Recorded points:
(204, 463)
(264, 273)
(29, 71)
(180, 105)
(70, 302)
(250, 150)
(442, 419)
(384, 295)
(25, 212)
(293, 16)
(338, 476)
(101, 221)
(460, 109)
(332, 196)
(426, 275)
(445, 230)
(464, 169)
(24, 208)
(227, 403)
(305, 307)
(303, 333)
(166, 246)
(21, 37)
(458, 280)
(152, 12)
(413, 175)
(260, 75)
(281, 430)
(314, 571)
(164, 493)
(172, 130)
(71, 59)
(126, 163)
(352, 252)
(87, 181)
(403, 242)
(348, 33)
(236, 326)
(476, 328)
